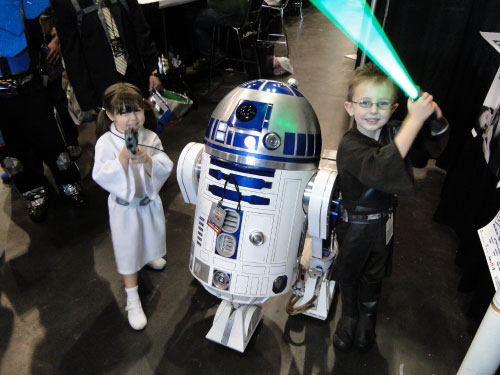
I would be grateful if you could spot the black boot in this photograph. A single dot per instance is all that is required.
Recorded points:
(344, 334)
(369, 295)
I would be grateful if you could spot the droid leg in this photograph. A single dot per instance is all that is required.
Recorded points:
(234, 324)
(318, 281)
(314, 290)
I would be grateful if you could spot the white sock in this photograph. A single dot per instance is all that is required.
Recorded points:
(132, 294)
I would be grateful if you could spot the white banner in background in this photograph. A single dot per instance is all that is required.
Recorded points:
(488, 122)
(492, 38)
(490, 239)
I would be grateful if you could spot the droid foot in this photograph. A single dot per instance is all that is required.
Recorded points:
(235, 324)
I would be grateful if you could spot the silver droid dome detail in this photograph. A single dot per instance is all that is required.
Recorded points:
(265, 123)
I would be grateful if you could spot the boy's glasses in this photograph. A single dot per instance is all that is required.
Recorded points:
(383, 104)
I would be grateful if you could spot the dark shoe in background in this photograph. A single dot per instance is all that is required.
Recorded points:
(75, 151)
(74, 194)
(36, 202)
(6, 179)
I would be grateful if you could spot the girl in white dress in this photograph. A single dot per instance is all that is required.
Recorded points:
(133, 180)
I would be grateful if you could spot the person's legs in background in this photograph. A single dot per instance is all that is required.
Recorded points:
(68, 126)
(52, 150)
(204, 23)
(18, 156)
(32, 137)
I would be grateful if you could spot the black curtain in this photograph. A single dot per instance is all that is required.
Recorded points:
(440, 45)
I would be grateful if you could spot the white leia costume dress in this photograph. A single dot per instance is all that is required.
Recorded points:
(135, 209)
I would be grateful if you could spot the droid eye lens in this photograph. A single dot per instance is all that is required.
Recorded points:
(272, 141)
(246, 112)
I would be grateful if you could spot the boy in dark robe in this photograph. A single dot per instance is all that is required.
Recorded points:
(375, 160)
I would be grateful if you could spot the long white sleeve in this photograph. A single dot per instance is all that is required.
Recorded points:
(108, 172)
(162, 167)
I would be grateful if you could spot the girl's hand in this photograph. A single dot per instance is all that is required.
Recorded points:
(141, 157)
(125, 154)
(421, 109)
(124, 157)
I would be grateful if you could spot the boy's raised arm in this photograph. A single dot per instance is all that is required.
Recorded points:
(418, 112)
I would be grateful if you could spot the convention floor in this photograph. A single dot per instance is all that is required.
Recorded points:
(62, 302)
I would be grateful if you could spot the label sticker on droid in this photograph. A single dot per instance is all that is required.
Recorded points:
(216, 217)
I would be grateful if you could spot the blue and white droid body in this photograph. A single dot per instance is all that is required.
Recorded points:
(259, 166)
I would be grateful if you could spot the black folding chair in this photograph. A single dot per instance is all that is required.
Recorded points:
(246, 34)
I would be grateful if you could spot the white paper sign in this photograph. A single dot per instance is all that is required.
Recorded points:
(490, 240)
(492, 38)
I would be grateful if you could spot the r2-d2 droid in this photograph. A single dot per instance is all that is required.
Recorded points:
(258, 191)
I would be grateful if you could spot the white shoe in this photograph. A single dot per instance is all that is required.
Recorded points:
(136, 316)
(157, 264)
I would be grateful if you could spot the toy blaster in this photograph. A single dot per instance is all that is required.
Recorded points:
(131, 139)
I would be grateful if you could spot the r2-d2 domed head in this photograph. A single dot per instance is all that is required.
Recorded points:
(265, 123)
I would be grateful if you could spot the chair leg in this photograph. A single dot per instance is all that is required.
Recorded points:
(284, 32)
(212, 53)
(257, 60)
(259, 28)
(241, 53)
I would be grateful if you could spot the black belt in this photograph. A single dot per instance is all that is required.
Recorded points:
(367, 218)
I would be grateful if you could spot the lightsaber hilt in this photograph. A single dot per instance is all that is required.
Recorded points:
(434, 125)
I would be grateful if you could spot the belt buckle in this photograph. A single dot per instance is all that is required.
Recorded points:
(144, 202)
(121, 201)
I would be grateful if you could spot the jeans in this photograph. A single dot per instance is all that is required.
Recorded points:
(204, 22)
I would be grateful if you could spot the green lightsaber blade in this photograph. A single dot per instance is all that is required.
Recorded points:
(357, 21)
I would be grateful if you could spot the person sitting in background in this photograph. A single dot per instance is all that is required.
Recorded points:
(218, 13)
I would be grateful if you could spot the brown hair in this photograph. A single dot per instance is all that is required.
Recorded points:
(123, 98)
(369, 72)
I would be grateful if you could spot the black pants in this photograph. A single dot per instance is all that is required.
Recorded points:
(136, 78)
(32, 136)
(58, 97)
(363, 253)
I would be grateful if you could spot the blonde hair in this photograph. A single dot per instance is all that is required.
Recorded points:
(123, 98)
(369, 72)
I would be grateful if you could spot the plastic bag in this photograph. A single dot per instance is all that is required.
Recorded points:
(282, 66)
